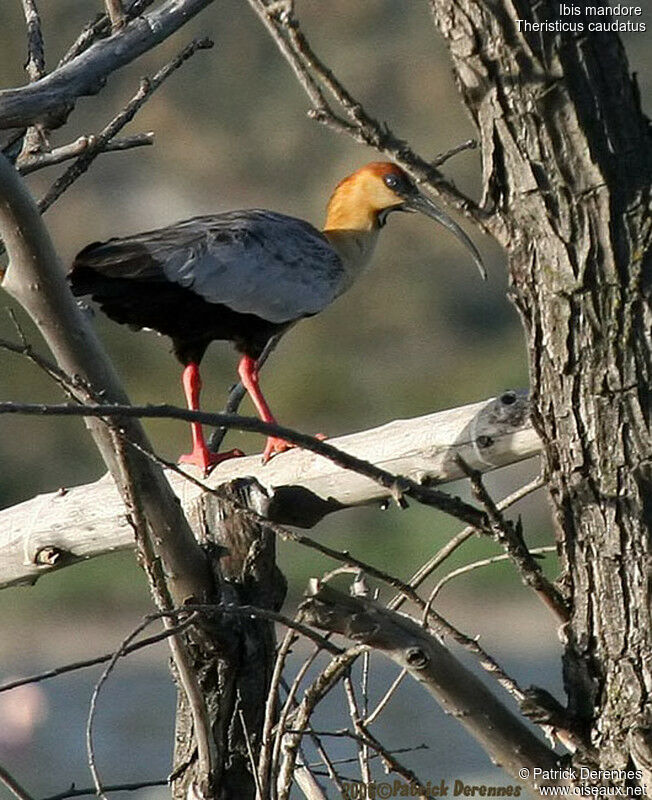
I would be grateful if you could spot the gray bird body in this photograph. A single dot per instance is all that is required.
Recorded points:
(242, 276)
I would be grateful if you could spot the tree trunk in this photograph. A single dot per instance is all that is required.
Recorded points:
(235, 660)
(567, 167)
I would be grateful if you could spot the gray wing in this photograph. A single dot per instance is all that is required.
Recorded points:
(255, 262)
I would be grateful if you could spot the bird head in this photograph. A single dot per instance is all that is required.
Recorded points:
(364, 200)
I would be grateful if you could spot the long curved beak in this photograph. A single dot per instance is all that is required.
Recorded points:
(423, 204)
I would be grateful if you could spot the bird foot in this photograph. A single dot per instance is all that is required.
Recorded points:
(205, 459)
(275, 445)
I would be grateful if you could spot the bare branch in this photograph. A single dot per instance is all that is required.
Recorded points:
(510, 536)
(90, 750)
(504, 737)
(35, 279)
(31, 162)
(439, 623)
(87, 521)
(312, 73)
(69, 385)
(356, 719)
(35, 138)
(442, 158)
(116, 14)
(398, 486)
(484, 562)
(35, 66)
(443, 553)
(250, 752)
(93, 662)
(116, 787)
(282, 723)
(99, 143)
(385, 698)
(313, 695)
(12, 784)
(51, 99)
(266, 739)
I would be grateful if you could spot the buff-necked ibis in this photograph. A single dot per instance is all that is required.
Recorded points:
(245, 276)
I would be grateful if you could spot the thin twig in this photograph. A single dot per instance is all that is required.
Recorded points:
(356, 719)
(93, 662)
(70, 385)
(90, 748)
(385, 698)
(35, 66)
(484, 562)
(353, 759)
(443, 553)
(100, 26)
(469, 144)
(35, 139)
(116, 14)
(322, 684)
(363, 736)
(116, 787)
(14, 787)
(250, 752)
(285, 713)
(31, 162)
(145, 91)
(510, 537)
(329, 763)
(397, 485)
(266, 739)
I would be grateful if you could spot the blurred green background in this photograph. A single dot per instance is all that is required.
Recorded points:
(420, 332)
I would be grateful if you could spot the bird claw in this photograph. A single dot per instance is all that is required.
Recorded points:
(205, 459)
(275, 445)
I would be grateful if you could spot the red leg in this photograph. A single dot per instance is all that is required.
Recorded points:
(249, 377)
(201, 456)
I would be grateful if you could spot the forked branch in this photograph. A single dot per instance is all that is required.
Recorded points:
(501, 733)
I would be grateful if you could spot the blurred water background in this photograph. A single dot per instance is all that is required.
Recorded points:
(420, 333)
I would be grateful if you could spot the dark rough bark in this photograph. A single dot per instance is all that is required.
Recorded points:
(235, 659)
(567, 167)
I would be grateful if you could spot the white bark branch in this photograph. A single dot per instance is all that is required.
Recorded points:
(59, 528)
(35, 279)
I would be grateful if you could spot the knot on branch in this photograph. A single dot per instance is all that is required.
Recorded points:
(416, 658)
(50, 555)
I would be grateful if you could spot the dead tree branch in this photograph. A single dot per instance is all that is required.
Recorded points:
(510, 536)
(99, 143)
(28, 163)
(352, 119)
(35, 66)
(56, 529)
(504, 737)
(52, 98)
(35, 279)
(12, 784)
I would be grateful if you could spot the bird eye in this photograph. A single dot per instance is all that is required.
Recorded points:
(392, 181)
